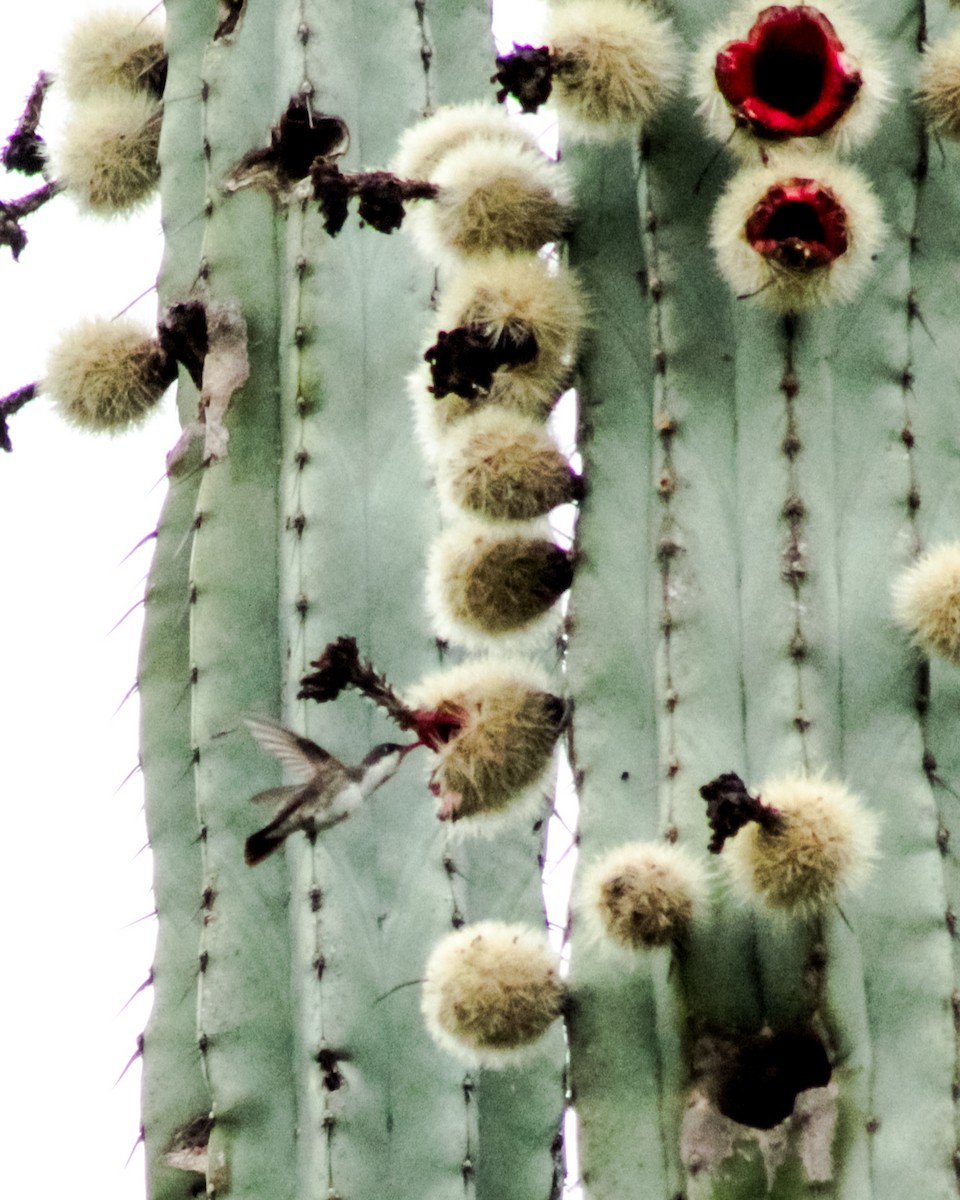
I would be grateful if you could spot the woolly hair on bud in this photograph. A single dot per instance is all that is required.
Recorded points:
(861, 52)
(107, 154)
(783, 288)
(491, 991)
(493, 197)
(487, 582)
(107, 376)
(641, 895)
(115, 48)
(615, 65)
(517, 294)
(497, 761)
(500, 466)
(424, 145)
(938, 90)
(926, 601)
(826, 845)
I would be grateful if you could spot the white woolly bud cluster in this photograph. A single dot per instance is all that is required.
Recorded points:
(107, 376)
(641, 895)
(491, 991)
(501, 351)
(113, 71)
(799, 231)
(926, 600)
(824, 845)
(615, 65)
(494, 765)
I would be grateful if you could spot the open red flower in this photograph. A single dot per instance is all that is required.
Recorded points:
(799, 224)
(797, 231)
(791, 76)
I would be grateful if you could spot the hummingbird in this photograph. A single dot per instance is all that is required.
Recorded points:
(324, 790)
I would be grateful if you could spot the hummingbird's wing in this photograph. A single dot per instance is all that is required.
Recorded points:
(299, 755)
(276, 796)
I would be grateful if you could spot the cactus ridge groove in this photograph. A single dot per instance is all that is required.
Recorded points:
(795, 560)
(667, 426)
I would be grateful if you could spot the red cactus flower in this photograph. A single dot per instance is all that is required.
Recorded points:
(799, 224)
(791, 77)
(436, 726)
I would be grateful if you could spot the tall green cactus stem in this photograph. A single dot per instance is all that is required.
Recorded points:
(795, 460)
(321, 1077)
(244, 1004)
(174, 1090)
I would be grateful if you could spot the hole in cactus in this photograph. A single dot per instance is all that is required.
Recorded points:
(229, 13)
(300, 138)
(758, 1081)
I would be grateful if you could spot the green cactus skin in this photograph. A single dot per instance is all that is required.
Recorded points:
(174, 1090)
(755, 484)
(754, 672)
(322, 1079)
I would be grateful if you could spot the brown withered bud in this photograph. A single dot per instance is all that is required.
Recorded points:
(526, 74)
(25, 150)
(331, 189)
(463, 360)
(381, 201)
(8, 406)
(336, 669)
(340, 666)
(730, 806)
(382, 196)
(13, 211)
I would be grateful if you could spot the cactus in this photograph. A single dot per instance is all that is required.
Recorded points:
(754, 672)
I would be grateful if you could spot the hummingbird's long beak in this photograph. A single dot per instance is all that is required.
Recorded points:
(405, 750)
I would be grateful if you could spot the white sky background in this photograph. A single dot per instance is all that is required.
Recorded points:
(76, 880)
(72, 507)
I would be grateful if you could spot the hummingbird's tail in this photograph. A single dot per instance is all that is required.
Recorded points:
(261, 845)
